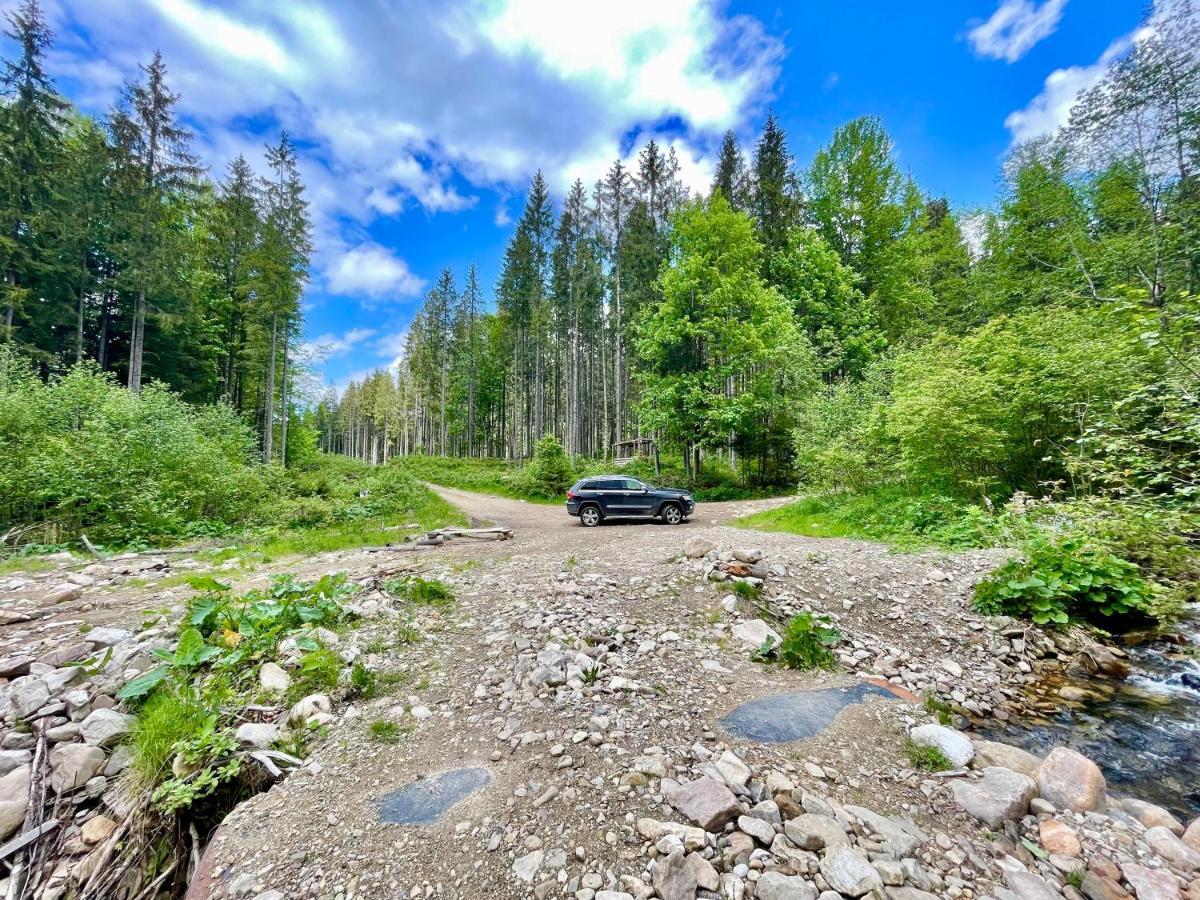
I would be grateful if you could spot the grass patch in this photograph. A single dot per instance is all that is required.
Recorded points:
(421, 591)
(318, 674)
(385, 732)
(744, 590)
(167, 718)
(926, 759)
(894, 515)
(939, 708)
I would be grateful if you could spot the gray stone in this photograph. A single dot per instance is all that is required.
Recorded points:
(13, 759)
(849, 873)
(526, 867)
(696, 547)
(1028, 886)
(955, 745)
(809, 831)
(274, 679)
(425, 801)
(1150, 815)
(755, 633)
(313, 708)
(1000, 795)
(758, 829)
(777, 886)
(73, 765)
(748, 555)
(105, 727)
(735, 772)
(900, 837)
(705, 801)
(674, 878)
(1151, 884)
(1162, 841)
(15, 785)
(258, 734)
(107, 637)
(28, 694)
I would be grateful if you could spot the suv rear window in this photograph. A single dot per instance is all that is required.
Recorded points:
(586, 486)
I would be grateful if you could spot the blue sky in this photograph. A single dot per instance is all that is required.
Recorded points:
(420, 123)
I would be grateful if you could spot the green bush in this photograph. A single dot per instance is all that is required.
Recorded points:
(807, 644)
(421, 591)
(548, 474)
(1063, 579)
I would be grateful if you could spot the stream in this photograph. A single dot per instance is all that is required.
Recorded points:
(1143, 732)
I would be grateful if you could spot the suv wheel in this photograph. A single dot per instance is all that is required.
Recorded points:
(672, 514)
(589, 516)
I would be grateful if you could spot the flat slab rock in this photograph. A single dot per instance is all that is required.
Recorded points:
(795, 716)
(425, 801)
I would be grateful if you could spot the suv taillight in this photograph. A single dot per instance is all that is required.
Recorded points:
(570, 495)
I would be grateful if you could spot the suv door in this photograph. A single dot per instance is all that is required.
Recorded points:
(611, 494)
(638, 499)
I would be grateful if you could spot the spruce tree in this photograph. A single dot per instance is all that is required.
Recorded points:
(776, 200)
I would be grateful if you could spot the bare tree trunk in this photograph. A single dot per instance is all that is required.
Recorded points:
(283, 398)
(136, 343)
(269, 404)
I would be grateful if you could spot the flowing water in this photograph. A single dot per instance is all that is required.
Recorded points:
(1143, 732)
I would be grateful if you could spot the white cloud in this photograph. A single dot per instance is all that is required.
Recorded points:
(372, 271)
(1051, 109)
(328, 346)
(1015, 28)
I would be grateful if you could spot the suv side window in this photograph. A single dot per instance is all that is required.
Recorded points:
(631, 484)
(610, 485)
(588, 486)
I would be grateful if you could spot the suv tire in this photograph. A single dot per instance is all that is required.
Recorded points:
(671, 513)
(590, 516)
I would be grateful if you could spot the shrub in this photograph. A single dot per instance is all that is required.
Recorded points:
(1063, 578)
(548, 474)
(806, 644)
(318, 673)
(167, 718)
(421, 591)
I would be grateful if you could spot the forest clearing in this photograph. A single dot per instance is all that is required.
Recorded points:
(291, 605)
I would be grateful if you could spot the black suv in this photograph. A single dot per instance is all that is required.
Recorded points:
(621, 497)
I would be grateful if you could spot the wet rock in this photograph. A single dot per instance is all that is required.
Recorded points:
(1071, 781)
(1058, 837)
(955, 745)
(1000, 795)
(994, 753)
(1163, 842)
(705, 801)
(105, 727)
(73, 765)
(1151, 884)
(778, 886)
(849, 873)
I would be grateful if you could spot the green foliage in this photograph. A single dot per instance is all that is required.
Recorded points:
(746, 590)
(939, 708)
(894, 514)
(166, 719)
(806, 644)
(385, 732)
(1058, 580)
(926, 759)
(363, 684)
(548, 474)
(209, 757)
(318, 673)
(421, 591)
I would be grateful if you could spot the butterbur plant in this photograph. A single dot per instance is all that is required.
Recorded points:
(807, 644)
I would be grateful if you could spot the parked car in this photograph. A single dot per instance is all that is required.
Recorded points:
(600, 497)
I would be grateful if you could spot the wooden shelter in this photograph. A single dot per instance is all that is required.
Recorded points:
(625, 452)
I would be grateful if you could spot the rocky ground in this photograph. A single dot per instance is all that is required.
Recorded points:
(586, 672)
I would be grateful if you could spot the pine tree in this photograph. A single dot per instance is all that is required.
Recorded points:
(156, 168)
(776, 200)
(234, 234)
(730, 179)
(32, 119)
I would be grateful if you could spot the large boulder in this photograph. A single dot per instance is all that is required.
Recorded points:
(1151, 816)
(955, 745)
(1001, 795)
(707, 802)
(1071, 781)
(73, 765)
(105, 727)
(1006, 756)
